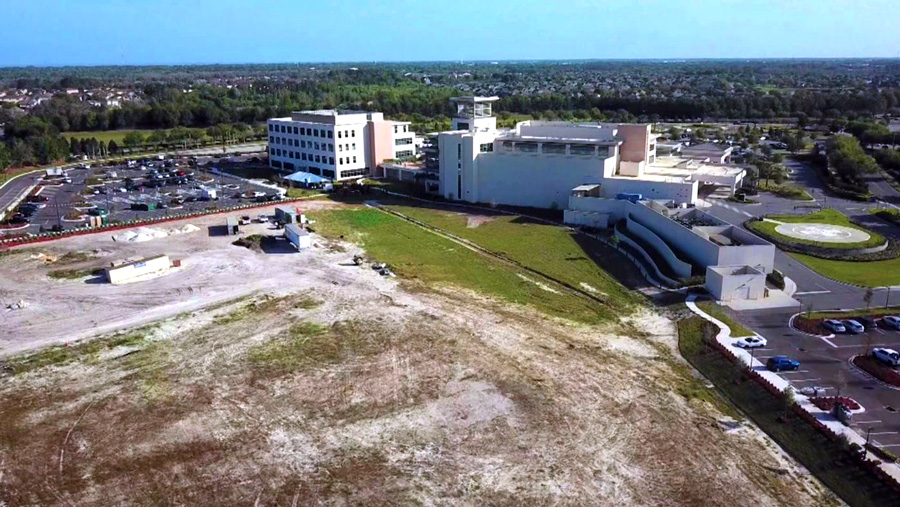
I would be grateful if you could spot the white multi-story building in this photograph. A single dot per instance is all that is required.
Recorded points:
(337, 145)
(538, 163)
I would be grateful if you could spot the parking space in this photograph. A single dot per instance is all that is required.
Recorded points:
(140, 190)
(825, 363)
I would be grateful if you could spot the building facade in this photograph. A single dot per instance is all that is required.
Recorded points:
(338, 145)
(537, 164)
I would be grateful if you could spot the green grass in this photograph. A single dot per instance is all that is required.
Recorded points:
(824, 458)
(416, 254)
(737, 330)
(825, 216)
(72, 274)
(294, 193)
(549, 249)
(786, 190)
(863, 273)
(105, 135)
(61, 354)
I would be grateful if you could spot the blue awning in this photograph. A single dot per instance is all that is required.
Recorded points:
(305, 177)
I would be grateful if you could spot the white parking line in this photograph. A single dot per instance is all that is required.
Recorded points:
(862, 344)
(890, 445)
(874, 421)
(810, 292)
(885, 433)
(807, 380)
(795, 371)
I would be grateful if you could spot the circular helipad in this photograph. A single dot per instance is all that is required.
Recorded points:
(824, 233)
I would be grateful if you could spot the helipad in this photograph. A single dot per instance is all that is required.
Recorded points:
(824, 233)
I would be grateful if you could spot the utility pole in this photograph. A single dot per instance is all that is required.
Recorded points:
(887, 302)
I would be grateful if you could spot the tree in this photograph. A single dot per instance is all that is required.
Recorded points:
(133, 139)
(840, 382)
(788, 399)
(868, 298)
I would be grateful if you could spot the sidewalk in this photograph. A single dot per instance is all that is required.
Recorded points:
(725, 339)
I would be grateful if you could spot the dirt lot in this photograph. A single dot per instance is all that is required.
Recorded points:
(296, 378)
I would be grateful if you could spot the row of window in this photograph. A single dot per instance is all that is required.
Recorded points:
(301, 131)
(300, 143)
(403, 154)
(398, 127)
(403, 142)
(550, 148)
(278, 152)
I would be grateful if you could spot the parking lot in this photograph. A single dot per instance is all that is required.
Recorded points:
(147, 189)
(825, 362)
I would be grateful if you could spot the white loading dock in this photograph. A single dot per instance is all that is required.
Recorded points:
(122, 273)
(735, 283)
(297, 236)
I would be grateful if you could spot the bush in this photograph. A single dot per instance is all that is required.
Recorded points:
(880, 371)
(776, 278)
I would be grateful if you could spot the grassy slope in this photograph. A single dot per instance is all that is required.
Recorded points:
(737, 329)
(786, 190)
(546, 248)
(825, 216)
(822, 457)
(417, 254)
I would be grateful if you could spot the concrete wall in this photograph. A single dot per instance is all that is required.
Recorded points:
(680, 192)
(726, 286)
(125, 273)
(637, 142)
(381, 141)
(752, 252)
(678, 266)
(586, 218)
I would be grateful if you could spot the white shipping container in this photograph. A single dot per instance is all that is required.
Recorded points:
(298, 237)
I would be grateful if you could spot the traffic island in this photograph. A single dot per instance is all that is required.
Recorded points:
(877, 369)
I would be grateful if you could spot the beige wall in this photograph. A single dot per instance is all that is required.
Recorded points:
(637, 142)
(382, 140)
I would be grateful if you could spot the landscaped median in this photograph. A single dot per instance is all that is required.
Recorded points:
(877, 369)
(833, 453)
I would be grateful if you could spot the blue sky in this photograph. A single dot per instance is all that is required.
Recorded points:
(95, 32)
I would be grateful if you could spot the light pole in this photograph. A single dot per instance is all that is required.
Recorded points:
(887, 301)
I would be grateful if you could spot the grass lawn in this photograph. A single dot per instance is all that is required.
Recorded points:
(301, 192)
(105, 135)
(786, 190)
(414, 253)
(825, 216)
(550, 249)
(737, 330)
(825, 459)
(866, 274)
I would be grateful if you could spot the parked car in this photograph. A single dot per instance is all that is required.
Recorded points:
(868, 323)
(835, 326)
(781, 363)
(852, 326)
(891, 321)
(887, 356)
(751, 342)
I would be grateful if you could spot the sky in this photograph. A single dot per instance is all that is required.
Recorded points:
(140, 32)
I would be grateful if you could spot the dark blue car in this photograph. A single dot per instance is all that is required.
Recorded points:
(779, 363)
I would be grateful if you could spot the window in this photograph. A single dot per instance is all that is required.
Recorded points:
(339, 134)
(316, 146)
(354, 146)
(581, 149)
(459, 151)
(328, 173)
(403, 142)
(303, 156)
(554, 148)
(302, 131)
(354, 159)
(272, 139)
(283, 129)
(406, 128)
(340, 148)
(486, 147)
(270, 127)
(603, 152)
(315, 132)
(330, 147)
(404, 153)
(330, 160)
(527, 147)
(303, 144)
(318, 158)
(395, 128)
(349, 173)
(347, 147)
(507, 146)
(341, 161)
(296, 143)
(352, 133)
(315, 170)
(278, 152)
(296, 131)
(330, 134)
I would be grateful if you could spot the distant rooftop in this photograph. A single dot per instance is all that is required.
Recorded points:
(474, 98)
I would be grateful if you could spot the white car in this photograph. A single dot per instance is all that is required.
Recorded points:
(887, 356)
(751, 342)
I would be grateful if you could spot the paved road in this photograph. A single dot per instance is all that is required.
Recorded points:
(11, 191)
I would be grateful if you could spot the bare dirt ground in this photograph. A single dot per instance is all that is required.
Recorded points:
(317, 382)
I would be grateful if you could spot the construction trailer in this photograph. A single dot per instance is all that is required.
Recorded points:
(231, 224)
(122, 272)
(288, 215)
(298, 236)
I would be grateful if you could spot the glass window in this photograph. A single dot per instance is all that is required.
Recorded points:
(271, 139)
(303, 144)
(554, 148)
(603, 151)
(340, 148)
(352, 133)
(331, 160)
(486, 147)
(330, 134)
(296, 131)
(581, 149)
(303, 156)
(328, 173)
(330, 147)
(527, 147)
(339, 134)
(354, 159)
(354, 146)
(318, 158)
(270, 127)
